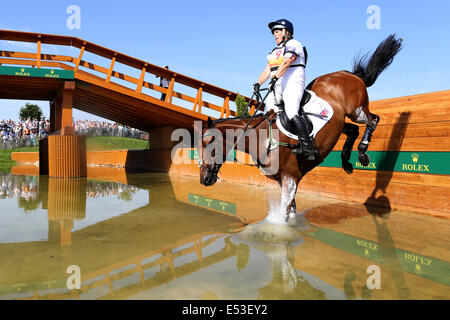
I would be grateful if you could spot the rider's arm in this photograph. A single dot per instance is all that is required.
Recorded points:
(264, 75)
(284, 66)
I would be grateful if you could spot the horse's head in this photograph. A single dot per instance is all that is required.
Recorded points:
(210, 158)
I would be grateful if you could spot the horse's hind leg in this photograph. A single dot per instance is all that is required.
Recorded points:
(352, 132)
(363, 115)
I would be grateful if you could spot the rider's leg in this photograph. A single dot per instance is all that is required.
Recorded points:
(294, 87)
(270, 103)
(301, 127)
(274, 99)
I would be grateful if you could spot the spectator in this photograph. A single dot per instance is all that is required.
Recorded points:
(163, 82)
(27, 133)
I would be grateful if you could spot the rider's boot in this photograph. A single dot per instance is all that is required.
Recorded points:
(301, 128)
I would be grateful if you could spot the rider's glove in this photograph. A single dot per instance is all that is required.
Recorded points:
(272, 83)
(256, 88)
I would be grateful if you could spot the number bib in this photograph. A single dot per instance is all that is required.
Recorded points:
(276, 58)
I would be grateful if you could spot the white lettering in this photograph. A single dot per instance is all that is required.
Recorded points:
(374, 281)
(74, 281)
(74, 20)
(374, 21)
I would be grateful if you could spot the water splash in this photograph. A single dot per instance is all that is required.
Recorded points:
(276, 228)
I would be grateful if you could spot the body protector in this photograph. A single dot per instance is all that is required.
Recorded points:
(291, 85)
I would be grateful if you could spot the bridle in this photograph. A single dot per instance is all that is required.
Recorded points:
(214, 169)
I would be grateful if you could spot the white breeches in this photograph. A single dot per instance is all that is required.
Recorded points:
(289, 88)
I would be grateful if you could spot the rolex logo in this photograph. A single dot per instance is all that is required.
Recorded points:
(415, 157)
(418, 269)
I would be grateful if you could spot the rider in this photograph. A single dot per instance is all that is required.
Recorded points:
(286, 68)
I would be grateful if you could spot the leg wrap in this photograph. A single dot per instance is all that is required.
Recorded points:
(367, 137)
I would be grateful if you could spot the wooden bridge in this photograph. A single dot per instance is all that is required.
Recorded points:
(102, 96)
(71, 82)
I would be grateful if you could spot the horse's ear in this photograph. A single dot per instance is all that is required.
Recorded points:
(210, 123)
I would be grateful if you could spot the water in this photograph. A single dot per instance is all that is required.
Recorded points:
(154, 236)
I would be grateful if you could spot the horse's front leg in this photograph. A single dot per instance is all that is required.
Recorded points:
(288, 191)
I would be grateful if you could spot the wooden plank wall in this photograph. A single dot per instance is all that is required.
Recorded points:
(417, 123)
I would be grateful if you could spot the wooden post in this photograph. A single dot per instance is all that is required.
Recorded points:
(38, 57)
(58, 113)
(169, 94)
(66, 112)
(53, 116)
(79, 57)
(141, 79)
(168, 254)
(108, 77)
(198, 99)
(198, 249)
(226, 107)
(141, 272)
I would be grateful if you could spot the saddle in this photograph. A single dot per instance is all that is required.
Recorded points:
(285, 122)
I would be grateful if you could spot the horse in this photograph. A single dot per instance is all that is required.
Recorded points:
(346, 93)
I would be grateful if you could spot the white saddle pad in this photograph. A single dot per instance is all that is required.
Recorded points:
(321, 113)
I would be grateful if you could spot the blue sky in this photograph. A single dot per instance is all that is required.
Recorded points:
(225, 43)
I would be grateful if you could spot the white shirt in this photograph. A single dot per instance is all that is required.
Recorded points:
(286, 51)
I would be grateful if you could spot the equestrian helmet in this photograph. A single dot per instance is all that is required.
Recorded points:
(282, 24)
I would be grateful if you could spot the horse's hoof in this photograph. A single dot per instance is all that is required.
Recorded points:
(364, 159)
(348, 167)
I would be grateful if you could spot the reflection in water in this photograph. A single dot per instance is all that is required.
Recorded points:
(190, 242)
(286, 282)
(389, 253)
(63, 199)
(20, 187)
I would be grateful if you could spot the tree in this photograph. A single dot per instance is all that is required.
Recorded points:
(31, 111)
(241, 103)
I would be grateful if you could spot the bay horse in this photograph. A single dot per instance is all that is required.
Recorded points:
(346, 92)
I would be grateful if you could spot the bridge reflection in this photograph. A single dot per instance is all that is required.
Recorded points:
(161, 234)
(163, 259)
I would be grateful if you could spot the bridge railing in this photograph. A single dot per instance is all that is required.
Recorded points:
(38, 59)
(145, 266)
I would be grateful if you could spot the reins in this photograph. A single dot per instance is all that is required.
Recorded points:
(272, 142)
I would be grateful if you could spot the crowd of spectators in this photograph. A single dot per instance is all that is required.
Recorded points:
(27, 133)
(106, 189)
(104, 128)
(27, 188)
(23, 133)
(20, 187)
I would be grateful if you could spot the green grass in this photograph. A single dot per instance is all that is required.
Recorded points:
(5, 157)
(114, 143)
(93, 144)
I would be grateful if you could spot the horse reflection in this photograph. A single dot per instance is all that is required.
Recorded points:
(286, 283)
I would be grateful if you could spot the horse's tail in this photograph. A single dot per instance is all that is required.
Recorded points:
(383, 56)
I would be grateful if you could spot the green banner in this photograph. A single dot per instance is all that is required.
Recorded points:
(193, 155)
(423, 266)
(36, 72)
(400, 161)
(212, 203)
(27, 287)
